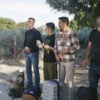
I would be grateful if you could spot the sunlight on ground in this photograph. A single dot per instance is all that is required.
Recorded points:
(10, 66)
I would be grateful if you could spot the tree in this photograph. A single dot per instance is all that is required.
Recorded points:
(73, 25)
(22, 25)
(85, 10)
(7, 24)
(83, 35)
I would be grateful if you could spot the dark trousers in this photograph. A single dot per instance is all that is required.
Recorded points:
(94, 76)
(50, 70)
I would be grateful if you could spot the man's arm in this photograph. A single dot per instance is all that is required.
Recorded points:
(39, 41)
(39, 37)
(75, 43)
(56, 51)
(88, 53)
(48, 47)
(24, 44)
(25, 40)
(26, 49)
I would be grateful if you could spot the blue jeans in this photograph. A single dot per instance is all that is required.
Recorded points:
(32, 59)
(94, 76)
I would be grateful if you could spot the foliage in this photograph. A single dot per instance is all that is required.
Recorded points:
(22, 25)
(8, 28)
(7, 42)
(85, 10)
(42, 29)
(83, 35)
(73, 25)
(7, 24)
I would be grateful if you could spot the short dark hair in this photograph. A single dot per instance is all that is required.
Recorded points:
(31, 18)
(50, 25)
(64, 20)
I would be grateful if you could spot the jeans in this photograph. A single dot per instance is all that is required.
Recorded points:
(32, 59)
(94, 76)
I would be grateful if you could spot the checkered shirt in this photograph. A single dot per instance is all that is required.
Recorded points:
(67, 41)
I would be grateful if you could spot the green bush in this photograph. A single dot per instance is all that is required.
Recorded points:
(7, 24)
(83, 35)
(7, 42)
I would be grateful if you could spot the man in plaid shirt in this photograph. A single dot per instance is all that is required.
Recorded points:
(66, 43)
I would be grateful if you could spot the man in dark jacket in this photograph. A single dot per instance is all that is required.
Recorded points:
(31, 51)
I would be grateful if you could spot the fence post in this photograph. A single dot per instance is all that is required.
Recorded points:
(15, 47)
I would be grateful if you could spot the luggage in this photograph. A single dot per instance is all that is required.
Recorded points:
(84, 93)
(16, 84)
(52, 90)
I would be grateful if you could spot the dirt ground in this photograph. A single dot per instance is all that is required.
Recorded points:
(9, 66)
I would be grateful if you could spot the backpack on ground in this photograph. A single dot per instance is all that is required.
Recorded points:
(16, 85)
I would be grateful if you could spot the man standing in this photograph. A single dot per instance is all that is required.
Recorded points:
(93, 54)
(50, 68)
(31, 51)
(65, 46)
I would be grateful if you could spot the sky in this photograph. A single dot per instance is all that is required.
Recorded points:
(21, 10)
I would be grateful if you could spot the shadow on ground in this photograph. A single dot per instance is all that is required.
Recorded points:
(13, 63)
(4, 76)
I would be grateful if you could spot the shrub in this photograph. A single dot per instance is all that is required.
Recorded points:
(7, 42)
(83, 35)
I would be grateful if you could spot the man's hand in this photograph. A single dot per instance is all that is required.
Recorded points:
(27, 50)
(57, 58)
(86, 62)
(63, 52)
(46, 46)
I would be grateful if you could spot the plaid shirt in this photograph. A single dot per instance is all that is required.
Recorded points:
(67, 41)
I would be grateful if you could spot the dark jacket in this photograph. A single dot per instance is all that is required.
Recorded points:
(31, 36)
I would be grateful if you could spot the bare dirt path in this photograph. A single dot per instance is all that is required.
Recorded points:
(8, 67)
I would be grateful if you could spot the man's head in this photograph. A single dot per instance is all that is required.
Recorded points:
(31, 22)
(50, 27)
(98, 21)
(63, 23)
